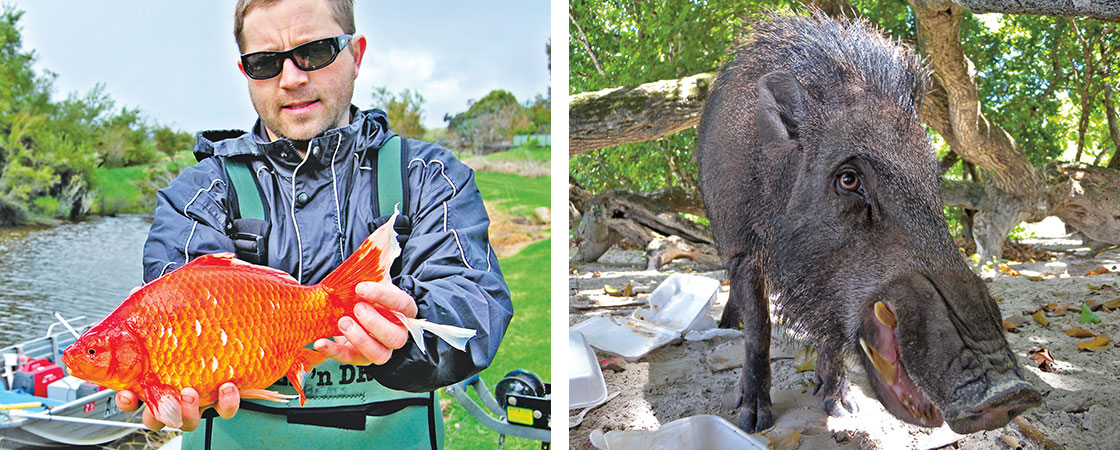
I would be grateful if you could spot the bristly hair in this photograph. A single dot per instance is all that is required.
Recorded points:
(824, 53)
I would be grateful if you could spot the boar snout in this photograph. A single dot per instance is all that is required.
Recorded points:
(1003, 402)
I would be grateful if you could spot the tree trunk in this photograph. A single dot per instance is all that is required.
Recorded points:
(1113, 127)
(635, 114)
(615, 215)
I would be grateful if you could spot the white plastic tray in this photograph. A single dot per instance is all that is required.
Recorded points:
(680, 302)
(704, 431)
(627, 337)
(586, 386)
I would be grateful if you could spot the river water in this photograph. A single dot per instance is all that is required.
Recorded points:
(76, 269)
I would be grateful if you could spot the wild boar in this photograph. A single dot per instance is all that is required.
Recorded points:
(823, 194)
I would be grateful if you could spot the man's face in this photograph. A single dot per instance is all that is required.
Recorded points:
(300, 105)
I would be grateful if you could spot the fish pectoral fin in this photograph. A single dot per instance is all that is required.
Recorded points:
(305, 360)
(164, 401)
(265, 394)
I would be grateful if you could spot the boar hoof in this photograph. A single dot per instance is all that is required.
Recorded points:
(839, 406)
(755, 419)
(837, 396)
(754, 413)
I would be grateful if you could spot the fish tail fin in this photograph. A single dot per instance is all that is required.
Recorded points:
(370, 262)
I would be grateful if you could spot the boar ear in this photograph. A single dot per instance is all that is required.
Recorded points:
(780, 106)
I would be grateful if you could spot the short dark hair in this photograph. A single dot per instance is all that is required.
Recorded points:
(341, 10)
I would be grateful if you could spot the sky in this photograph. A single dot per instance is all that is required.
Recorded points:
(177, 61)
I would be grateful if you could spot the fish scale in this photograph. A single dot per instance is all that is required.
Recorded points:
(168, 335)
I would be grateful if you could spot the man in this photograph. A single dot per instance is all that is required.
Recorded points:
(314, 159)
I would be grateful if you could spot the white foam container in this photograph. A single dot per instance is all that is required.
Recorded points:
(586, 386)
(627, 337)
(680, 302)
(64, 390)
(704, 431)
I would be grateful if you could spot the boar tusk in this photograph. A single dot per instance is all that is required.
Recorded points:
(886, 368)
(885, 316)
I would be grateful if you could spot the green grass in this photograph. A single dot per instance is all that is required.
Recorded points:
(522, 153)
(118, 191)
(527, 345)
(514, 194)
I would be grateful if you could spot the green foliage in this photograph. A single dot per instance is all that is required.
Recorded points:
(404, 111)
(640, 42)
(48, 150)
(539, 112)
(526, 345)
(488, 122)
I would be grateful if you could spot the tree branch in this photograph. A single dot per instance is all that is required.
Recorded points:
(635, 114)
(1098, 9)
(582, 39)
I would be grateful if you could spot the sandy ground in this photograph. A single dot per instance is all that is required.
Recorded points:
(1081, 397)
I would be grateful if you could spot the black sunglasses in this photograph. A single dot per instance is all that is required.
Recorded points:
(309, 56)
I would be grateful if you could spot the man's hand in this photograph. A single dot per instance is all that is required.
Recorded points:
(373, 338)
(228, 401)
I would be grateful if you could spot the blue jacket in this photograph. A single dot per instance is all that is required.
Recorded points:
(446, 263)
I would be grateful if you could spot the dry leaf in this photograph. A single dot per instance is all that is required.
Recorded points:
(1015, 321)
(805, 360)
(1093, 287)
(1030, 431)
(1061, 309)
(1100, 270)
(627, 291)
(1044, 359)
(1038, 317)
(1034, 278)
(1095, 344)
(1008, 270)
(997, 298)
(725, 283)
(1009, 327)
(596, 274)
(1093, 305)
(790, 441)
(1079, 333)
(1113, 304)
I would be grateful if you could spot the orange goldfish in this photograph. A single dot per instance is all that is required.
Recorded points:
(219, 319)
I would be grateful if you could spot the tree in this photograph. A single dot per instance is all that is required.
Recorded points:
(1008, 188)
(489, 123)
(404, 111)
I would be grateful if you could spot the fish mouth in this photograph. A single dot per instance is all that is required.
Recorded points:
(890, 380)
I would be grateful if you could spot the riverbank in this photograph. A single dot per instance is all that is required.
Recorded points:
(682, 379)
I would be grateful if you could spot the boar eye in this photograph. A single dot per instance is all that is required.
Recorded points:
(848, 181)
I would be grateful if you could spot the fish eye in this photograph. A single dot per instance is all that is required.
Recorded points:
(848, 181)
(92, 351)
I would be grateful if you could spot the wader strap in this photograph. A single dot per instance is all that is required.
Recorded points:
(432, 420)
(349, 417)
(248, 228)
(390, 190)
(242, 180)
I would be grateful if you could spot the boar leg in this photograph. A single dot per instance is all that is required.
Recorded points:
(832, 381)
(748, 292)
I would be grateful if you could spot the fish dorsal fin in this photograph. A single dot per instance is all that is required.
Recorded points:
(229, 260)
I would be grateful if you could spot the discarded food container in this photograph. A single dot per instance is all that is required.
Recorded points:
(586, 386)
(680, 302)
(704, 431)
(627, 337)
